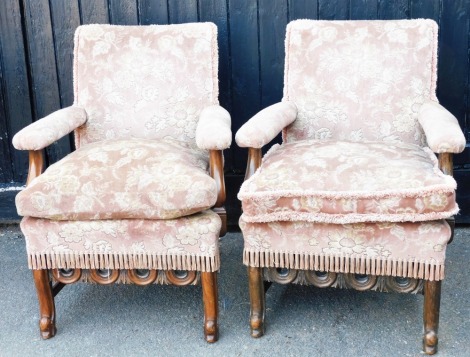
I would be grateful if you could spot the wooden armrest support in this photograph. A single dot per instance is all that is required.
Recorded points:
(36, 164)
(447, 166)
(254, 161)
(216, 167)
(446, 163)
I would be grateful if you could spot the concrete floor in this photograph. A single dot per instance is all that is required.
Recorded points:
(125, 320)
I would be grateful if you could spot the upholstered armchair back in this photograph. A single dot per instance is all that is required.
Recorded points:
(144, 81)
(359, 80)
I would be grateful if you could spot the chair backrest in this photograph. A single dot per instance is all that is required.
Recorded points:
(144, 81)
(359, 80)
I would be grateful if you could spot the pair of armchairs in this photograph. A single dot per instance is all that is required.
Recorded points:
(353, 198)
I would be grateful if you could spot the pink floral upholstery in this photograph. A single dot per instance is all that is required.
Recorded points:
(443, 133)
(44, 132)
(266, 125)
(144, 81)
(188, 243)
(213, 129)
(119, 179)
(347, 182)
(415, 250)
(359, 80)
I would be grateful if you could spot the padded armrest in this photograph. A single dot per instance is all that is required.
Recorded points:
(44, 132)
(213, 129)
(264, 126)
(441, 128)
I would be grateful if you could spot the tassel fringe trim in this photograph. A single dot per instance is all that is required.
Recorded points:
(80, 260)
(427, 270)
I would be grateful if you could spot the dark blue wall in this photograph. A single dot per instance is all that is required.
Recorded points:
(36, 39)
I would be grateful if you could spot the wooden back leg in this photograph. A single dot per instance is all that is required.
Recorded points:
(257, 301)
(211, 309)
(432, 301)
(46, 303)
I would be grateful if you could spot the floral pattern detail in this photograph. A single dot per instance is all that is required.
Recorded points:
(144, 81)
(359, 80)
(347, 182)
(45, 131)
(125, 243)
(119, 179)
(442, 129)
(266, 125)
(361, 248)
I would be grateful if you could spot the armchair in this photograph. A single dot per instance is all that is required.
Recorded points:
(141, 200)
(354, 197)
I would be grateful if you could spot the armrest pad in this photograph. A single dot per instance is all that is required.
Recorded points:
(213, 129)
(44, 132)
(264, 126)
(441, 128)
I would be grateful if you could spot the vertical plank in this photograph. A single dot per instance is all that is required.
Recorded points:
(15, 88)
(364, 9)
(453, 60)
(181, 11)
(216, 11)
(43, 68)
(153, 12)
(425, 9)
(94, 12)
(393, 9)
(333, 9)
(245, 68)
(65, 19)
(6, 172)
(123, 12)
(272, 32)
(303, 9)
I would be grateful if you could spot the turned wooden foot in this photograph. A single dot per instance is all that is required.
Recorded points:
(46, 303)
(432, 300)
(257, 301)
(211, 310)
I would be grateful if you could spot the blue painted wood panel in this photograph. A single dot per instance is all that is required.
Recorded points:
(36, 59)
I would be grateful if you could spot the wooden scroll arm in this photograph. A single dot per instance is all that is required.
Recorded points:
(254, 161)
(446, 163)
(447, 166)
(36, 164)
(216, 167)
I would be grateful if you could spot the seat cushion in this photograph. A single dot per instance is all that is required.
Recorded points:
(409, 249)
(120, 179)
(186, 243)
(347, 182)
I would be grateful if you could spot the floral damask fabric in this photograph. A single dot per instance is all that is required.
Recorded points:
(266, 125)
(213, 129)
(415, 250)
(45, 131)
(188, 243)
(118, 179)
(442, 129)
(348, 182)
(144, 81)
(359, 80)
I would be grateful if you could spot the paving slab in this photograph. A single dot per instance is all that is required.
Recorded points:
(126, 320)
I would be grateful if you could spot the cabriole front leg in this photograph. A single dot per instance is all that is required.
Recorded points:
(257, 301)
(46, 303)
(432, 301)
(211, 310)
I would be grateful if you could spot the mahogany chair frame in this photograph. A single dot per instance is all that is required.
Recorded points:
(259, 280)
(49, 282)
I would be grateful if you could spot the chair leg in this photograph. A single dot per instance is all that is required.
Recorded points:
(432, 301)
(210, 299)
(46, 303)
(257, 301)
